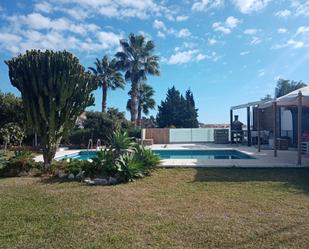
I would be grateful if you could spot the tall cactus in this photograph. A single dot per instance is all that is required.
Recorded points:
(55, 89)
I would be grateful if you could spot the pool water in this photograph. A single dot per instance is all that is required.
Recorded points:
(201, 154)
(175, 154)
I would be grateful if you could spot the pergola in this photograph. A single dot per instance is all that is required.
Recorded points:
(247, 106)
(298, 98)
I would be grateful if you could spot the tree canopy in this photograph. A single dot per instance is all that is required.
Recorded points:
(177, 110)
(286, 86)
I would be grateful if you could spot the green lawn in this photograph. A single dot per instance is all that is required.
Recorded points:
(174, 208)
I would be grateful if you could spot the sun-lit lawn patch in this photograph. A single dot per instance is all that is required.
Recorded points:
(174, 208)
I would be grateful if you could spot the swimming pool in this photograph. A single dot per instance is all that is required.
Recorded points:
(201, 154)
(175, 154)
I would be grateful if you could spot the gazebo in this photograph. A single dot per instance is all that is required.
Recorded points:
(298, 98)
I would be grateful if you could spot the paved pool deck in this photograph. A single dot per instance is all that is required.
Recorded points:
(263, 159)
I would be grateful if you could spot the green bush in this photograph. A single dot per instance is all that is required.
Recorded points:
(147, 158)
(129, 168)
(21, 163)
(2, 160)
(72, 166)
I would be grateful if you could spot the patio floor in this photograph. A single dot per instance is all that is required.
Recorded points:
(264, 159)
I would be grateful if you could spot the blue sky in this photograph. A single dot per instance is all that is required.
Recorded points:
(228, 52)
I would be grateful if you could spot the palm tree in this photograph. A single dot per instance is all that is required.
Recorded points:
(107, 76)
(145, 101)
(137, 60)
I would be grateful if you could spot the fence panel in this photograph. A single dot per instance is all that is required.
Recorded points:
(180, 136)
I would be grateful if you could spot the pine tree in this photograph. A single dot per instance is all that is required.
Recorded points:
(177, 110)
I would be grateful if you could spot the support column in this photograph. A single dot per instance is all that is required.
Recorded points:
(231, 122)
(299, 126)
(248, 126)
(259, 129)
(275, 128)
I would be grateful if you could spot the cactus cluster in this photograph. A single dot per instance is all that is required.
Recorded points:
(55, 89)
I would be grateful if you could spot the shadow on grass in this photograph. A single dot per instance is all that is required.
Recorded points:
(297, 178)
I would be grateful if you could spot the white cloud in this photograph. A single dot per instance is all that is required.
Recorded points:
(283, 13)
(39, 22)
(218, 27)
(9, 41)
(24, 32)
(226, 27)
(302, 30)
(182, 57)
(159, 25)
(231, 22)
(295, 44)
(301, 7)
(251, 31)
(181, 18)
(248, 6)
(282, 30)
(120, 9)
(183, 33)
(244, 53)
(212, 41)
(261, 73)
(160, 34)
(204, 5)
(43, 7)
(291, 44)
(108, 39)
(255, 40)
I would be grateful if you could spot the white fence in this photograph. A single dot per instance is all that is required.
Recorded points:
(195, 135)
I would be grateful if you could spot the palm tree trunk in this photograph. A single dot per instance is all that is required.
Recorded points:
(139, 114)
(104, 97)
(134, 93)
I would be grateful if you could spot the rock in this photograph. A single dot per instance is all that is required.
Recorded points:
(71, 176)
(100, 181)
(80, 175)
(62, 175)
(112, 180)
(89, 181)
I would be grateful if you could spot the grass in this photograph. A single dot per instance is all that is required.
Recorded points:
(174, 208)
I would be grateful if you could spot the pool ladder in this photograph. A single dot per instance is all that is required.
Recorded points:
(99, 144)
(90, 145)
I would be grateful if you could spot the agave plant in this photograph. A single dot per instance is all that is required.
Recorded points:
(129, 168)
(105, 163)
(121, 143)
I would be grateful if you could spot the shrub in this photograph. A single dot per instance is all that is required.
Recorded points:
(129, 168)
(2, 160)
(21, 163)
(121, 143)
(72, 166)
(147, 158)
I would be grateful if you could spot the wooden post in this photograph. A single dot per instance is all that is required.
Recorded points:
(231, 123)
(275, 128)
(299, 126)
(259, 129)
(248, 126)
